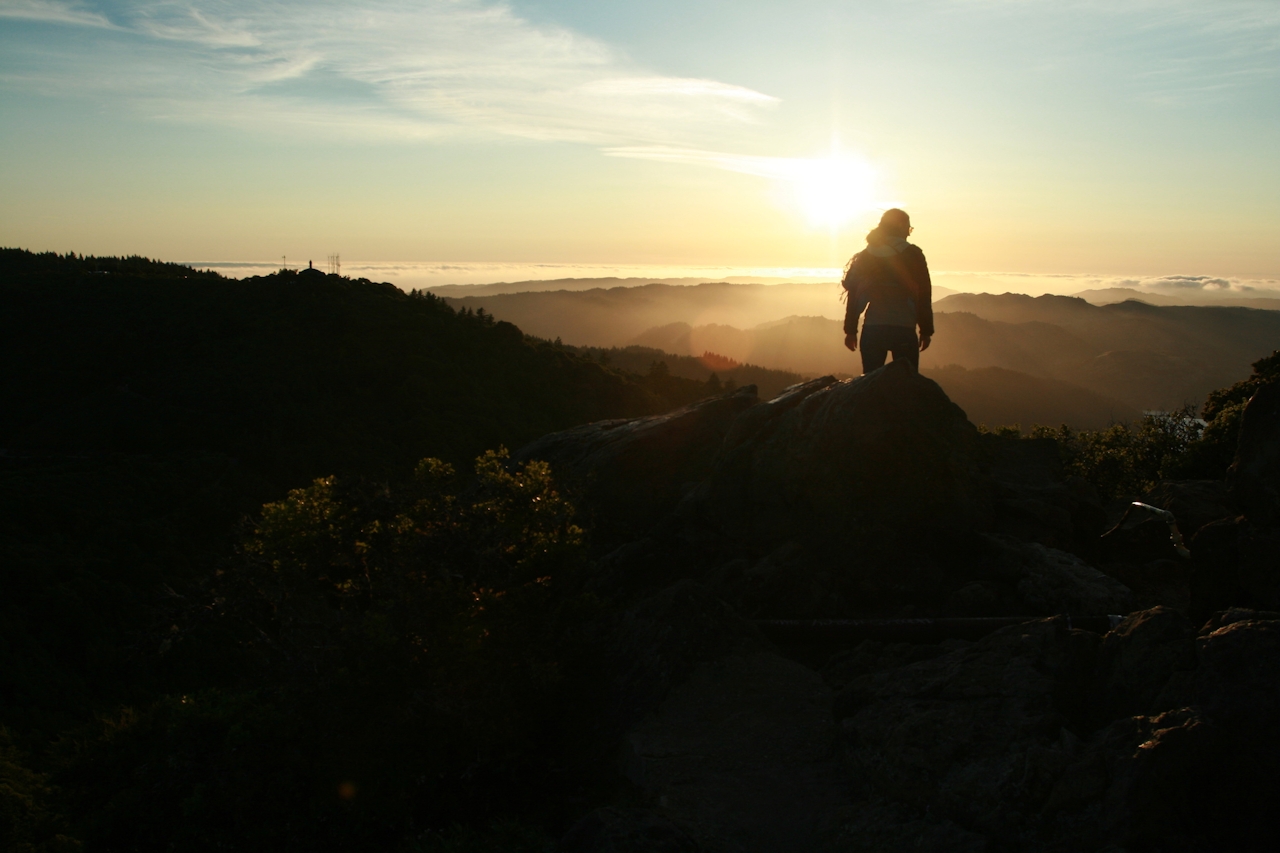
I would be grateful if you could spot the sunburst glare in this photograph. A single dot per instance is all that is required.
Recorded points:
(832, 191)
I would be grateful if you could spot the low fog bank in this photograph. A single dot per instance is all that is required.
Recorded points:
(462, 280)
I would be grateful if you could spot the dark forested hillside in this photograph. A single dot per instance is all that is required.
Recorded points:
(294, 375)
(148, 409)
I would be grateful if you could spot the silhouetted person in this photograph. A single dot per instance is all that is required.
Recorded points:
(889, 279)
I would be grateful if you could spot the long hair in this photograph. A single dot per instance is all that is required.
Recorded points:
(892, 220)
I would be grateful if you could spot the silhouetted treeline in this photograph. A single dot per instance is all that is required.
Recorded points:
(293, 375)
(23, 262)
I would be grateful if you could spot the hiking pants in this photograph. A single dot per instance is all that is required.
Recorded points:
(878, 341)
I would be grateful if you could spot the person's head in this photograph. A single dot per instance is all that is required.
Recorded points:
(895, 223)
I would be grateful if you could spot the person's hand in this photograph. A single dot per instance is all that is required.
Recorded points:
(851, 341)
(924, 342)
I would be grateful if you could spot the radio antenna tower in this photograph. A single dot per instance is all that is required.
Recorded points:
(335, 264)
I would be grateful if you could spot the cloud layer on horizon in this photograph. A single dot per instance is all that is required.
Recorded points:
(426, 274)
(1196, 289)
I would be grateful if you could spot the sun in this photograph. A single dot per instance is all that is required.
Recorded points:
(832, 191)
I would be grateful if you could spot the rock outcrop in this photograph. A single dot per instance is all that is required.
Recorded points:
(876, 497)
(628, 474)
(1235, 558)
(1253, 481)
(1034, 501)
(862, 497)
(885, 455)
(1040, 737)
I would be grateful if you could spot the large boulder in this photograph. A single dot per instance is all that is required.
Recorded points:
(886, 456)
(658, 641)
(1040, 737)
(1035, 501)
(976, 735)
(1238, 680)
(1056, 582)
(1235, 562)
(740, 756)
(1142, 553)
(628, 474)
(1194, 503)
(1253, 480)
(1204, 776)
(1215, 569)
(1145, 664)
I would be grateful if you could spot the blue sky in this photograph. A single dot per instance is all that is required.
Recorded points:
(1076, 137)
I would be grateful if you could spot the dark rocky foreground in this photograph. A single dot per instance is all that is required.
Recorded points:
(877, 498)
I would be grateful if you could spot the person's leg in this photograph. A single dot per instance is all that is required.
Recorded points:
(874, 348)
(905, 345)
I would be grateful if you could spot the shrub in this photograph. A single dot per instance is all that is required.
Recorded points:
(1127, 459)
(1224, 411)
(413, 659)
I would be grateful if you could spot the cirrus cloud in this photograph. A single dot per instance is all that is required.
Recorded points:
(390, 68)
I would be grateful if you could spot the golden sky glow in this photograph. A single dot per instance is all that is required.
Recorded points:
(1044, 137)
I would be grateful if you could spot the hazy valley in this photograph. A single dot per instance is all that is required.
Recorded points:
(1005, 358)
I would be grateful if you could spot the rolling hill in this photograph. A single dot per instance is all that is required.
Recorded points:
(1133, 355)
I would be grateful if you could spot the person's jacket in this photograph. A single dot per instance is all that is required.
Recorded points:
(875, 278)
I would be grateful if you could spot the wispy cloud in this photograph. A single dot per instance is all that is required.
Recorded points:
(186, 22)
(425, 68)
(1202, 283)
(52, 12)
(1166, 52)
(779, 168)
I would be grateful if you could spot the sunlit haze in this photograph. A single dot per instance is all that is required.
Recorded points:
(1131, 140)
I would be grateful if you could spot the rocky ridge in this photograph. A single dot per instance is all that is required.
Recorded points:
(876, 497)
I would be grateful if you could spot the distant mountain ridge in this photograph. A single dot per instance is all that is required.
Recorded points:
(1109, 295)
(1152, 357)
(1137, 355)
(994, 395)
(458, 291)
(614, 316)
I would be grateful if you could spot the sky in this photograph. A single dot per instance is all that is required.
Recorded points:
(1066, 137)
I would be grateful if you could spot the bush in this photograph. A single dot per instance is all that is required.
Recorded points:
(415, 666)
(1128, 459)
(1224, 412)
(29, 822)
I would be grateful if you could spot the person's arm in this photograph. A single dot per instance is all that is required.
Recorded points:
(852, 311)
(924, 297)
(855, 304)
